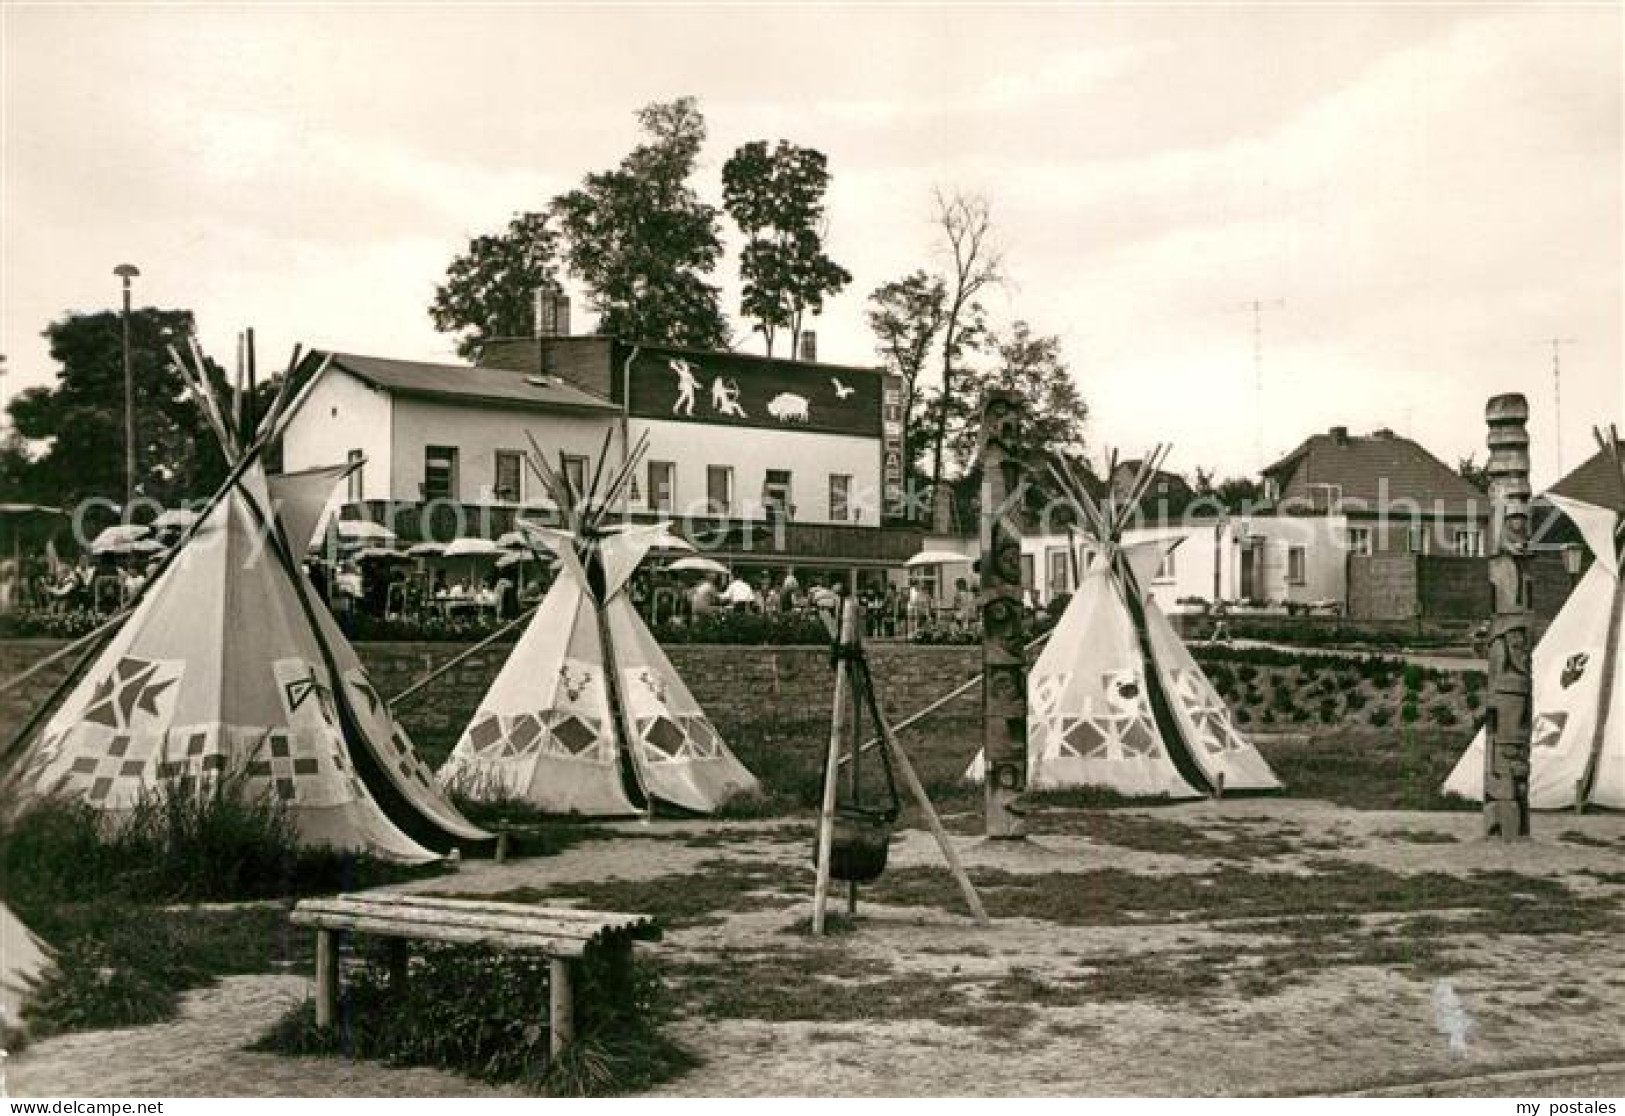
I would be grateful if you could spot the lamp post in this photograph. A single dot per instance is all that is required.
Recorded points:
(126, 272)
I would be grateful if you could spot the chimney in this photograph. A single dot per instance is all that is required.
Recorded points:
(1340, 435)
(807, 350)
(552, 313)
(1385, 434)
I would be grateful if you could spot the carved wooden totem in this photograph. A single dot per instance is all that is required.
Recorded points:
(1507, 729)
(1004, 661)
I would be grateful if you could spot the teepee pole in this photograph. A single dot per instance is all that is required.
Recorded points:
(917, 789)
(1609, 444)
(832, 762)
(462, 656)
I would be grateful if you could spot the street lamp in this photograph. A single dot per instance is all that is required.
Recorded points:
(126, 272)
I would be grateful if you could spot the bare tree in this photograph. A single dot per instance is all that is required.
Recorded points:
(975, 265)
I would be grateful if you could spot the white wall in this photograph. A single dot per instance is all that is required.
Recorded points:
(341, 413)
(478, 432)
(810, 459)
(1211, 549)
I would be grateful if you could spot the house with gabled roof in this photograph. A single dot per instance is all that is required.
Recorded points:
(1397, 497)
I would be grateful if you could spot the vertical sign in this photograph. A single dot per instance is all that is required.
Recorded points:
(894, 504)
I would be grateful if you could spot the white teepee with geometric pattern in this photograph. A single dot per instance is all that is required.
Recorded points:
(230, 668)
(1115, 700)
(588, 716)
(1577, 749)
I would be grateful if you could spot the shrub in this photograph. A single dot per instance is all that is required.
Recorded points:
(1442, 713)
(1472, 698)
(755, 628)
(1409, 713)
(1380, 716)
(1414, 678)
(1328, 712)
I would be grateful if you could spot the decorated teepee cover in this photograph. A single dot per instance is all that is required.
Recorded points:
(1115, 699)
(1578, 737)
(24, 962)
(230, 670)
(586, 678)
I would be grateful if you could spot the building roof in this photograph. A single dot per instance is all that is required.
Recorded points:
(1372, 472)
(1596, 482)
(471, 385)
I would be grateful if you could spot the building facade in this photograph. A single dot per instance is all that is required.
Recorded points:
(770, 463)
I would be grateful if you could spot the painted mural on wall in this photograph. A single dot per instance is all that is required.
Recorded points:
(737, 389)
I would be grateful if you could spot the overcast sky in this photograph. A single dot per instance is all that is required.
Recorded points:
(1430, 190)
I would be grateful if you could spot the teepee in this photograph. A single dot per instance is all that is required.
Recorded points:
(230, 670)
(588, 716)
(1578, 753)
(24, 962)
(1115, 700)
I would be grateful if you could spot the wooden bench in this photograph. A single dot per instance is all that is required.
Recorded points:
(563, 934)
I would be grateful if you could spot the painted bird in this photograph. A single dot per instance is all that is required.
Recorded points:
(841, 390)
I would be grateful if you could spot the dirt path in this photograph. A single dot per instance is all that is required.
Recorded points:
(1027, 1007)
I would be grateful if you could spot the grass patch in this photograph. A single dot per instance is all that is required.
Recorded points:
(177, 844)
(484, 1014)
(118, 967)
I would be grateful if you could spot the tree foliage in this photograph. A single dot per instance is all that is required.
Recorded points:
(1033, 367)
(82, 415)
(776, 197)
(965, 222)
(490, 290)
(642, 240)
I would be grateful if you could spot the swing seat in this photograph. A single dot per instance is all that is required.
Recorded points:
(859, 843)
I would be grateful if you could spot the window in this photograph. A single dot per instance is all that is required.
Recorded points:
(840, 497)
(1419, 540)
(1360, 541)
(575, 471)
(1296, 562)
(1272, 489)
(1029, 571)
(776, 493)
(719, 489)
(356, 487)
(440, 472)
(1055, 560)
(1165, 568)
(662, 485)
(1469, 542)
(509, 476)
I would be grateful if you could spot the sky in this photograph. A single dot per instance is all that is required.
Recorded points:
(1418, 195)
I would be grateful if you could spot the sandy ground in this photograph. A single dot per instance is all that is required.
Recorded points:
(1530, 1000)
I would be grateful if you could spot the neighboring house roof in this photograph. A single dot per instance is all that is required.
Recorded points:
(1371, 473)
(1597, 482)
(470, 385)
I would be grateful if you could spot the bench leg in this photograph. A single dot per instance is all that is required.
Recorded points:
(561, 1005)
(327, 977)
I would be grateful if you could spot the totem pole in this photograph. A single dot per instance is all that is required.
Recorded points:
(1507, 728)
(1004, 661)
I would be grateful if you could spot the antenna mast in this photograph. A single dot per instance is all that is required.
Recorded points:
(1557, 344)
(1257, 307)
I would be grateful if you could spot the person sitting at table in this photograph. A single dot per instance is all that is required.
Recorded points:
(438, 587)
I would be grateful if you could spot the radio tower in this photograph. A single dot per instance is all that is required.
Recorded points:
(1557, 344)
(1257, 307)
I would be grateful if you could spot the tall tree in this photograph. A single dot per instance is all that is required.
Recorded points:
(82, 415)
(776, 197)
(643, 240)
(906, 317)
(1032, 366)
(490, 290)
(975, 264)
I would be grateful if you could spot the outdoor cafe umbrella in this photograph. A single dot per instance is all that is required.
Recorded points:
(364, 531)
(665, 540)
(179, 518)
(938, 558)
(473, 548)
(124, 538)
(426, 550)
(696, 564)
